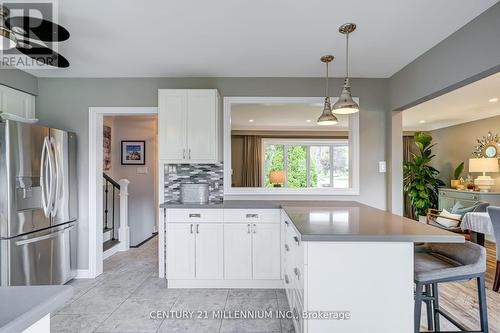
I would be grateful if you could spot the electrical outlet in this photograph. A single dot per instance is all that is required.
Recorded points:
(382, 167)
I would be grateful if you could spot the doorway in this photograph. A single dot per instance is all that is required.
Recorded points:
(132, 156)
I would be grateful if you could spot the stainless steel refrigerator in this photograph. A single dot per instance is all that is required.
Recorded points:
(38, 204)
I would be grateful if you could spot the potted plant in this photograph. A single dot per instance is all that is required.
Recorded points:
(456, 176)
(420, 179)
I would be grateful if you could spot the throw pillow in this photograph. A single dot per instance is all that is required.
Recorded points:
(445, 222)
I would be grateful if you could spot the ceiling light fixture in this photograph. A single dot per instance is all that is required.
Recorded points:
(327, 117)
(422, 121)
(493, 100)
(308, 120)
(7, 39)
(345, 104)
(250, 120)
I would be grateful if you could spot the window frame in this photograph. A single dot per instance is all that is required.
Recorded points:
(354, 139)
(307, 143)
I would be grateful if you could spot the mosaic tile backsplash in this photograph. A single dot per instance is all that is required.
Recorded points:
(177, 174)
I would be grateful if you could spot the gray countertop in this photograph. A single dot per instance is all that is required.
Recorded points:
(21, 307)
(341, 221)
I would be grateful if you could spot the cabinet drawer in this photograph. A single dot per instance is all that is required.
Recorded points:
(252, 215)
(194, 215)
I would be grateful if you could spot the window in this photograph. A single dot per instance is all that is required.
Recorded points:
(304, 163)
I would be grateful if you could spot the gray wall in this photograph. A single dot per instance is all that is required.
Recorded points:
(19, 80)
(467, 55)
(455, 144)
(64, 103)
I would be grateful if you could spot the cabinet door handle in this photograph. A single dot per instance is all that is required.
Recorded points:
(197, 228)
(254, 228)
(297, 272)
(195, 215)
(287, 248)
(248, 226)
(191, 228)
(189, 153)
(184, 153)
(286, 223)
(287, 280)
(252, 216)
(296, 239)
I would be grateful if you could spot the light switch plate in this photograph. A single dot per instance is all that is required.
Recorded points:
(382, 167)
(142, 170)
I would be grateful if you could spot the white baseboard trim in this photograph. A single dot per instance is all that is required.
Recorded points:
(262, 284)
(83, 274)
(109, 252)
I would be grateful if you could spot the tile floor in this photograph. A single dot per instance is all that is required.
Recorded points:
(121, 299)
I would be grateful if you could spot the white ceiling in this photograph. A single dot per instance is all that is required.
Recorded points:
(241, 38)
(282, 117)
(463, 105)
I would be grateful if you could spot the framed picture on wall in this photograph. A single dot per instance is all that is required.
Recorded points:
(133, 152)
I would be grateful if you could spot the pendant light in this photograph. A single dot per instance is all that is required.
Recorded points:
(345, 104)
(327, 117)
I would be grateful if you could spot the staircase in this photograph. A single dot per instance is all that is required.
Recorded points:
(115, 216)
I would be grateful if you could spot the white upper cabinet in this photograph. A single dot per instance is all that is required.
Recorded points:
(188, 128)
(17, 102)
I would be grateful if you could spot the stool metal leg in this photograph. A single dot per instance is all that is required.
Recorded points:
(483, 310)
(435, 294)
(419, 288)
(429, 308)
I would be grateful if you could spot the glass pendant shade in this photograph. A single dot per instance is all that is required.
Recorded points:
(327, 117)
(345, 104)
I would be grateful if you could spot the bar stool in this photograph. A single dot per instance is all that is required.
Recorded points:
(494, 213)
(437, 263)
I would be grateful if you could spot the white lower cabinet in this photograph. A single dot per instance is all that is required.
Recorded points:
(252, 251)
(194, 251)
(237, 251)
(266, 251)
(180, 251)
(209, 251)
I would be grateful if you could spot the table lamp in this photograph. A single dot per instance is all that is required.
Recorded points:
(483, 165)
(277, 177)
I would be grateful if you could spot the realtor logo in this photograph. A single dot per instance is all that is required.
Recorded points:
(29, 35)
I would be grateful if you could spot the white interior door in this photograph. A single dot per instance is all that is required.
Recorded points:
(209, 251)
(266, 251)
(202, 124)
(180, 251)
(237, 251)
(172, 110)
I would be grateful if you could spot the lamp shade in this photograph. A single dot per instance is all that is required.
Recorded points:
(277, 177)
(483, 165)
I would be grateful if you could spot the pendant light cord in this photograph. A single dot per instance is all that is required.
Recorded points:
(347, 56)
(326, 89)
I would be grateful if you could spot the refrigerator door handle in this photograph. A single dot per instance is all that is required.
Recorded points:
(55, 179)
(44, 237)
(43, 177)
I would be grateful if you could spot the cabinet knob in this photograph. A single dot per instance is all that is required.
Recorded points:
(248, 226)
(296, 239)
(297, 272)
(254, 228)
(286, 223)
(252, 216)
(191, 228)
(287, 280)
(184, 153)
(287, 248)
(189, 153)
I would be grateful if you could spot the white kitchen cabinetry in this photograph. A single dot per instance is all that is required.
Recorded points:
(180, 251)
(244, 251)
(17, 102)
(188, 126)
(266, 251)
(237, 251)
(209, 251)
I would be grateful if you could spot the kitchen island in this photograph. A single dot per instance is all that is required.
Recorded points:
(340, 260)
(27, 308)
